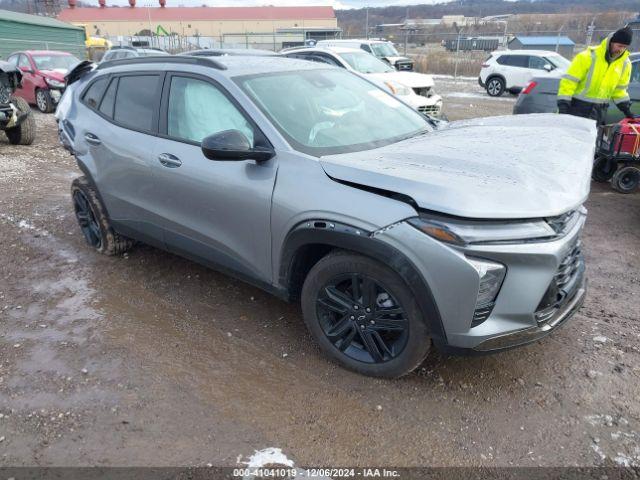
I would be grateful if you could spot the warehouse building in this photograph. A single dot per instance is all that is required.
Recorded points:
(19, 31)
(563, 45)
(217, 22)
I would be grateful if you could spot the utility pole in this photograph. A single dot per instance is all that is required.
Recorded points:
(366, 28)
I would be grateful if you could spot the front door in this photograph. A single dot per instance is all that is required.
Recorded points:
(27, 89)
(216, 212)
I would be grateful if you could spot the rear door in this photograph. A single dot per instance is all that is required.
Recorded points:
(216, 212)
(120, 135)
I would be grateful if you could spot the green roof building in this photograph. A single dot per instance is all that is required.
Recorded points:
(19, 31)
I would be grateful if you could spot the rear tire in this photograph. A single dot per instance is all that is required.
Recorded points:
(93, 221)
(25, 133)
(495, 87)
(603, 169)
(44, 101)
(364, 316)
(626, 179)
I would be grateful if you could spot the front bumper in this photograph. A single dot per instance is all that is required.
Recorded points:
(56, 94)
(522, 312)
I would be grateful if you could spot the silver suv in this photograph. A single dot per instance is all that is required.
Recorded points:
(394, 232)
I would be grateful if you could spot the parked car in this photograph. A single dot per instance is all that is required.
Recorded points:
(43, 74)
(541, 94)
(315, 185)
(382, 49)
(416, 89)
(16, 118)
(219, 52)
(118, 52)
(512, 70)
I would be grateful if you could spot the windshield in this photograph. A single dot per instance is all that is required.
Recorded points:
(55, 62)
(324, 112)
(151, 53)
(384, 50)
(559, 61)
(366, 63)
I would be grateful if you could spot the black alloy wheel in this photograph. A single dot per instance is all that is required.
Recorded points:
(362, 319)
(87, 220)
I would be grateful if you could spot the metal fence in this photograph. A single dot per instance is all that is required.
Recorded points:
(463, 52)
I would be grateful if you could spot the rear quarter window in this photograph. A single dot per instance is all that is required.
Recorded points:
(93, 94)
(136, 101)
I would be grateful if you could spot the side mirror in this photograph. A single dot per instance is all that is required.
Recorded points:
(548, 67)
(233, 145)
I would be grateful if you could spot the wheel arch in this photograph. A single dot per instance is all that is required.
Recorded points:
(311, 240)
(497, 75)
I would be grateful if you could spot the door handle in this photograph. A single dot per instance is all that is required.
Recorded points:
(92, 139)
(169, 161)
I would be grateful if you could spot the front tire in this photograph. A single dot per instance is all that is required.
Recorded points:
(44, 101)
(25, 133)
(364, 316)
(93, 221)
(626, 179)
(495, 87)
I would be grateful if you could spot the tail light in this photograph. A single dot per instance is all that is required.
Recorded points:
(529, 88)
(485, 65)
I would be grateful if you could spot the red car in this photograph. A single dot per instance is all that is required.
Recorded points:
(43, 74)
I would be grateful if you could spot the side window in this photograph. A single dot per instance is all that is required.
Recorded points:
(328, 59)
(504, 60)
(521, 61)
(198, 109)
(109, 99)
(24, 62)
(635, 72)
(365, 47)
(537, 62)
(136, 101)
(94, 93)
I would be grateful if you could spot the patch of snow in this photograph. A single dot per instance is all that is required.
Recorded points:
(600, 339)
(598, 450)
(451, 77)
(268, 456)
(23, 224)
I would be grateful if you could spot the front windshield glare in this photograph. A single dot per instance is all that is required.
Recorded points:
(366, 63)
(384, 50)
(324, 112)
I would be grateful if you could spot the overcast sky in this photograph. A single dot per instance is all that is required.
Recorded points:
(338, 4)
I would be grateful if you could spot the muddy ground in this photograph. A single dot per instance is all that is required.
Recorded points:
(150, 359)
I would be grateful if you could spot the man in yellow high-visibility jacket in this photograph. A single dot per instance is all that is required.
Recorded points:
(597, 76)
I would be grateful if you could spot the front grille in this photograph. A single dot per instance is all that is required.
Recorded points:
(405, 66)
(430, 109)
(565, 284)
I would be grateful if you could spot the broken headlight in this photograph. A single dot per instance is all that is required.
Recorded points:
(465, 232)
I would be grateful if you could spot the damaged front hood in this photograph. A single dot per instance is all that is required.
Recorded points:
(523, 166)
(408, 79)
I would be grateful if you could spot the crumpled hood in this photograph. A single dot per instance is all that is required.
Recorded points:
(522, 166)
(409, 79)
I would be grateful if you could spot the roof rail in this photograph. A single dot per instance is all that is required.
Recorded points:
(204, 61)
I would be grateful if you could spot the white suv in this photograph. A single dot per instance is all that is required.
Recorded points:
(512, 70)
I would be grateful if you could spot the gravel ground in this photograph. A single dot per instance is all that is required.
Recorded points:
(149, 359)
